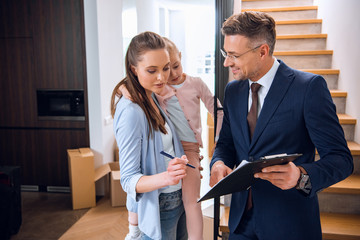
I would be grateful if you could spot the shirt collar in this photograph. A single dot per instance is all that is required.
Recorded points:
(268, 78)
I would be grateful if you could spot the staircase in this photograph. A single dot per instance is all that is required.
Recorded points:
(301, 45)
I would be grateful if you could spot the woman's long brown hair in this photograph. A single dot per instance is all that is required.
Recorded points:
(139, 45)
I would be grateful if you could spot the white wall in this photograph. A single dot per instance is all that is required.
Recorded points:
(147, 16)
(103, 36)
(177, 30)
(342, 25)
(200, 37)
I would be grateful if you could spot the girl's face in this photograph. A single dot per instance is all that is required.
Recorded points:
(176, 73)
(153, 71)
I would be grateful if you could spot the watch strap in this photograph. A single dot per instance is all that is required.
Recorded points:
(304, 184)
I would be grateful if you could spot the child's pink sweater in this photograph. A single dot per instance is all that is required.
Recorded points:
(189, 96)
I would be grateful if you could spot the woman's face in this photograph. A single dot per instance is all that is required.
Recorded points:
(153, 70)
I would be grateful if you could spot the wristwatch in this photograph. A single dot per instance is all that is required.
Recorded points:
(304, 184)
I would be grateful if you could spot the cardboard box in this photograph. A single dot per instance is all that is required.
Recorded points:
(81, 174)
(208, 225)
(83, 177)
(117, 194)
(208, 222)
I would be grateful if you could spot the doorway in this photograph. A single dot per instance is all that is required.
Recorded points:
(190, 24)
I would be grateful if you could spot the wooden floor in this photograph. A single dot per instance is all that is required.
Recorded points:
(46, 216)
(100, 222)
(106, 222)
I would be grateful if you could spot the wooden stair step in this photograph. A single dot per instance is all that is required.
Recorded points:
(334, 225)
(306, 59)
(330, 75)
(340, 226)
(303, 53)
(346, 119)
(338, 93)
(290, 26)
(353, 147)
(301, 36)
(304, 21)
(281, 9)
(256, 4)
(322, 71)
(350, 185)
(297, 42)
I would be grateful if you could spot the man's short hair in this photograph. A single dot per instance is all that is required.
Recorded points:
(258, 27)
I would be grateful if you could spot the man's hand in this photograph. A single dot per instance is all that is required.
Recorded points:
(218, 171)
(282, 176)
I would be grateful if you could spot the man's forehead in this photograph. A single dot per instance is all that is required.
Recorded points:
(232, 43)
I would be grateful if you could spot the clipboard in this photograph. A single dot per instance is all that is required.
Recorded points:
(243, 176)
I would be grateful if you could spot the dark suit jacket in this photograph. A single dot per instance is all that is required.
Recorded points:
(298, 115)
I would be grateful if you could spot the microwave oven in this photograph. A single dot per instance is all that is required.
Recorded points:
(60, 105)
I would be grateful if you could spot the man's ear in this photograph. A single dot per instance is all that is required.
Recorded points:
(264, 50)
(133, 69)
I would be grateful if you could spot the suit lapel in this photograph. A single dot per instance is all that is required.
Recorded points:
(277, 91)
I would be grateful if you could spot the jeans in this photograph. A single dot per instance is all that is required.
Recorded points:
(172, 217)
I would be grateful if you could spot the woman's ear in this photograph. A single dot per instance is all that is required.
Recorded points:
(133, 69)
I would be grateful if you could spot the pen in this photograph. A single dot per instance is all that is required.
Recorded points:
(169, 156)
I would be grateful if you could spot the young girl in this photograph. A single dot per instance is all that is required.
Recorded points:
(142, 131)
(181, 101)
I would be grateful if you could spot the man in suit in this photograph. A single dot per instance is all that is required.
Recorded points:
(288, 112)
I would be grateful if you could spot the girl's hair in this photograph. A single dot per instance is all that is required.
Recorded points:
(138, 46)
(170, 46)
(258, 27)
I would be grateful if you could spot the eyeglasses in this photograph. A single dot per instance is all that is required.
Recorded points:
(234, 57)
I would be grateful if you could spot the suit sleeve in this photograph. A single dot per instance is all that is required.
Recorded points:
(225, 149)
(325, 131)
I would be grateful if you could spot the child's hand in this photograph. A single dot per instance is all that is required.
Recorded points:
(119, 93)
(176, 170)
(122, 91)
(201, 157)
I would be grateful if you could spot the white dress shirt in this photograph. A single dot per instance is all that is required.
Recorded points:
(265, 83)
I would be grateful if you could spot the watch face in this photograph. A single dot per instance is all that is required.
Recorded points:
(303, 181)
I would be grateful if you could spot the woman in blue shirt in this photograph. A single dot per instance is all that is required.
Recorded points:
(142, 131)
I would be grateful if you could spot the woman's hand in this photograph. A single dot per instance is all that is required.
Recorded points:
(176, 170)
